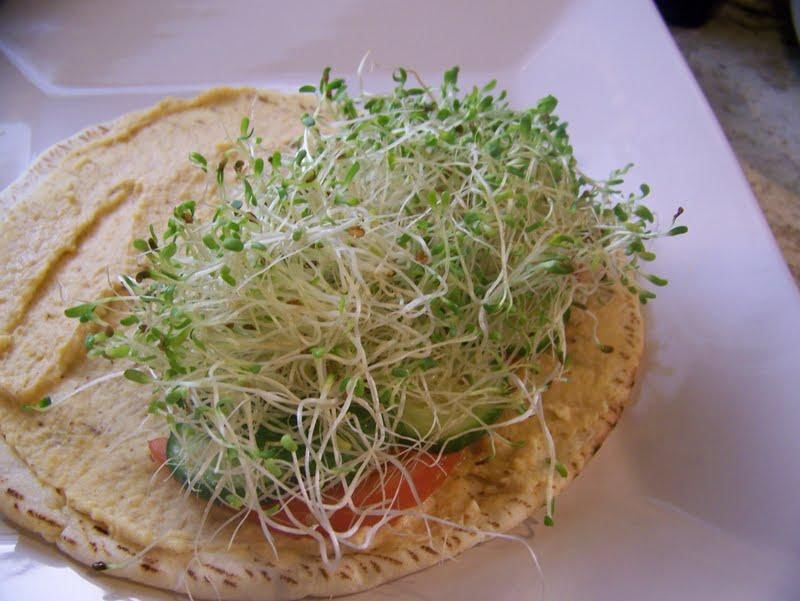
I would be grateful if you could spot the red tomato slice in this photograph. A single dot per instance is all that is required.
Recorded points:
(158, 449)
(393, 492)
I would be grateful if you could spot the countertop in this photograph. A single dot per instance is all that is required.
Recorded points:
(747, 61)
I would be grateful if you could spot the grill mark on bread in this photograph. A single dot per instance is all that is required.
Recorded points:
(288, 579)
(387, 558)
(146, 567)
(101, 529)
(229, 582)
(42, 518)
(14, 493)
(360, 565)
(218, 570)
(264, 562)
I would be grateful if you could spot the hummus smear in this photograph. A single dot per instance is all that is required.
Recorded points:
(75, 226)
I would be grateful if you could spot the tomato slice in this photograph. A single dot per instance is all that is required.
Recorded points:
(158, 449)
(392, 492)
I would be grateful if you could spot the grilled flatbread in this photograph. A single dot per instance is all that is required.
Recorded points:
(80, 474)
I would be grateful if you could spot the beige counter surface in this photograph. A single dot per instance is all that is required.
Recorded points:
(747, 61)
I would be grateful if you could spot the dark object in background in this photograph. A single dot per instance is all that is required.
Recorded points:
(686, 13)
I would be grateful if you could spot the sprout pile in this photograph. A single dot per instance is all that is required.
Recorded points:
(398, 282)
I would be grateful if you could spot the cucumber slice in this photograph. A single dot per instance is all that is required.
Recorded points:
(458, 431)
(187, 449)
(183, 453)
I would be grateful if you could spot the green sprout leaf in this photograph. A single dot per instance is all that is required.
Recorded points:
(134, 375)
(288, 443)
(199, 160)
(657, 280)
(81, 311)
(547, 105)
(258, 167)
(244, 129)
(233, 244)
(644, 213)
(210, 241)
(41, 405)
(351, 173)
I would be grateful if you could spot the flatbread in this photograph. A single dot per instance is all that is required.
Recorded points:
(80, 474)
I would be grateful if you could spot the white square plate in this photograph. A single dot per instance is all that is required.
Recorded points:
(695, 494)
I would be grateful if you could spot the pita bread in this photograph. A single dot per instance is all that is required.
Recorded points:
(80, 474)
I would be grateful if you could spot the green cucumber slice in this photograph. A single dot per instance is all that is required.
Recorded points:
(457, 431)
(187, 450)
(183, 453)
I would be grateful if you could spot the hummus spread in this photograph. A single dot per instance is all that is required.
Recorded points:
(75, 226)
